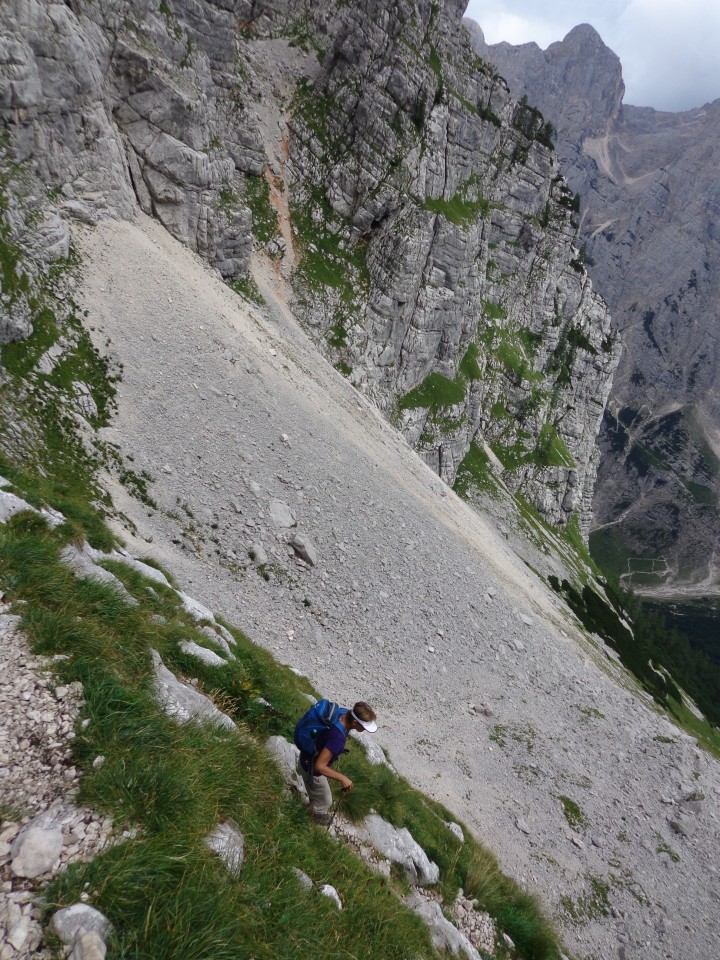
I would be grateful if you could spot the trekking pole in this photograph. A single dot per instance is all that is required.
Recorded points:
(336, 806)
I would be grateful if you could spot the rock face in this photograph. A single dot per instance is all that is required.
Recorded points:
(650, 201)
(421, 210)
(468, 314)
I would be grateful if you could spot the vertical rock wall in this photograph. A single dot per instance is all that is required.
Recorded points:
(434, 235)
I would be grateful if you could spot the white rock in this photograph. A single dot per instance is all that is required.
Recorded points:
(82, 564)
(287, 755)
(304, 548)
(303, 879)
(229, 844)
(399, 846)
(181, 702)
(208, 657)
(68, 922)
(327, 891)
(456, 829)
(88, 945)
(444, 935)
(373, 750)
(18, 934)
(281, 514)
(10, 505)
(36, 850)
(197, 610)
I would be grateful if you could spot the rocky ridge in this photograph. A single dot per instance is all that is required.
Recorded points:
(428, 229)
(649, 227)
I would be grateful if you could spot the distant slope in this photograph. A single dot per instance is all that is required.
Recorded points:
(651, 227)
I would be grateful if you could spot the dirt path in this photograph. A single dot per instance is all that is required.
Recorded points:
(416, 603)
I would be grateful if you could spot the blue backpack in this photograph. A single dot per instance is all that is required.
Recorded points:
(321, 716)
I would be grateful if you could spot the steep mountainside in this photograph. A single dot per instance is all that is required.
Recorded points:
(651, 230)
(354, 179)
(417, 205)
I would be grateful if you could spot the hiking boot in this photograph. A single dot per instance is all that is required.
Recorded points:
(322, 818)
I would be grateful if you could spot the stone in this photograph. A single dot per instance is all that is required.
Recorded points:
(287, 755)
(522, 825)
(83, 565)
(303, 879)
(18, 934)
(228, 843)
(88, 945)
(198, 611)
(258, 553)
(399, 846)
(304, 548)
(326, 890)
(10, 505)
(208, 657)
(36, 851)
(444, 935)
(182, 702)
(69, 921)
(456, 830)
(280, 514)
(373, 751)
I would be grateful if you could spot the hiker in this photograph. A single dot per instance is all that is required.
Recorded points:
(320, 736)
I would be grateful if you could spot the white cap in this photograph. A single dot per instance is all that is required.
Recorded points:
(369, 725)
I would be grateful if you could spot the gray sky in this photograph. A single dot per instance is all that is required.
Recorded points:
(669, 49)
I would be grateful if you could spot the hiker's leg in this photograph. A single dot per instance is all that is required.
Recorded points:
(318, 790)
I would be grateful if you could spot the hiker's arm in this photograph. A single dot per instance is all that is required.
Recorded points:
(321, 768)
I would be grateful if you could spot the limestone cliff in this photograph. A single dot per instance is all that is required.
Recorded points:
(416, 205)
(650, 201)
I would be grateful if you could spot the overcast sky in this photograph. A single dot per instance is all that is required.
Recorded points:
(669, 49)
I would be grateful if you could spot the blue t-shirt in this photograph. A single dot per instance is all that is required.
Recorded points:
(333, 739)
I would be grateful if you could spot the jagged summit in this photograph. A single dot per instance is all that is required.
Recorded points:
(576, 82)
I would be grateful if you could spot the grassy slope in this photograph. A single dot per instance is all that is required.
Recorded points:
(165, 893)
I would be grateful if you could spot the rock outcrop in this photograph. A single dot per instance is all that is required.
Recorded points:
(650, 200)
(418, 205)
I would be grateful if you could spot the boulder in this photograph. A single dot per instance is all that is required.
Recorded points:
(304, 548)
(281, 514)
(444, 935)
(69, 921)
(83, 565)
(36, 850)
(328, 891)
(208, 657)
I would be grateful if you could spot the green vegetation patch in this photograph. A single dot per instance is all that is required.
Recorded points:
(434, 392)
(573, 814)
(463, 207)
(551, 450)
(476, 473)
(469, 366)
(257, 197)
